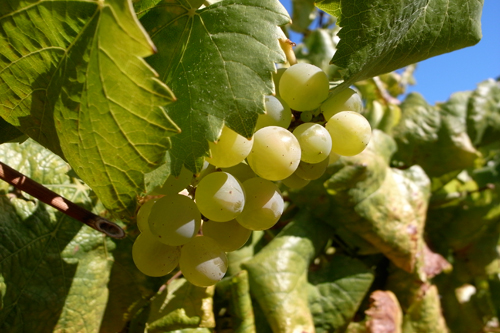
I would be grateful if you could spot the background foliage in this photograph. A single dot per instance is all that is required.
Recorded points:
(404, 235)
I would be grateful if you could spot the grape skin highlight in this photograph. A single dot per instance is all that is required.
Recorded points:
(264, 204)
(220, 197)
(174, 219)
(202, 261)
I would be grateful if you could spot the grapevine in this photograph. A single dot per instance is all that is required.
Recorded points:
(257, 169)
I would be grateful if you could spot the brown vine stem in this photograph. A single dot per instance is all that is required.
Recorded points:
(28, 185)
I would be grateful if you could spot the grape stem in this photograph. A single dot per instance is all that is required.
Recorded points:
(384, 93)
(287, 47)
(37, 190)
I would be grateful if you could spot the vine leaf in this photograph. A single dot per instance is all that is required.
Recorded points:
(295, 299)
(182, 305)
(381, 36)
(72, 77)
(52, 267)
(434, 138)
(218, 61)
(385, 206)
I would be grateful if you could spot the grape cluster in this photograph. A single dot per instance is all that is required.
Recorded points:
(200, 218)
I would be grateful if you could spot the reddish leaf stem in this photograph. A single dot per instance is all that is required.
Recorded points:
(28, 185)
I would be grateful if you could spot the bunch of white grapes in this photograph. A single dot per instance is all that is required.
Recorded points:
(199, 219)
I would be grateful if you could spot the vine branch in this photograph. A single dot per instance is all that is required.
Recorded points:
(37, 190)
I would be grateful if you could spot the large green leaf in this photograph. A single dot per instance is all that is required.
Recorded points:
(55, 270)
(434, 138)
(236, 290)
(336, 292)
(181, 305)
(218, 61)
(449, 223)
(278, 274)
(425, 315)
(383, 205)
(379, 36)
(483, 117)
(72, 77)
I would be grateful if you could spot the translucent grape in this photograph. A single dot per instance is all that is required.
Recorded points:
(312, 171)
(334, 157)
(346, 100)
(229, 235)
(276, 79)
(304, 87)
(220, 197)
(206, 170)
(264, 204)
(154, 258)
(230, 149)
(174, 219)
(315, 142)
(275, 153)
(143, 215)
(241, 172)
(306, 116)
(277, 114)
(202, 262)
(295, 182)
(350, 133)
(174, 185)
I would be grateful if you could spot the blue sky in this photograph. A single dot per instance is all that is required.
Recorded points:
(439, 77)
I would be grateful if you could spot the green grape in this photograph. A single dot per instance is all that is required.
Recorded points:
(315, 142)
(154, 258)
(229, 150)
(276, 79)
(229, 235)
(275, 153)
(202, 262)
(306, 116)
(333, 157)
(346, 100)
(350, 133)
(220, 197)
(174, 185)
(143, 215)
(206, 170)
(295, 182)
(264, 204)
(240, 171)
(304, 87)
(312, 171)
(277, 114)
(174, 219)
